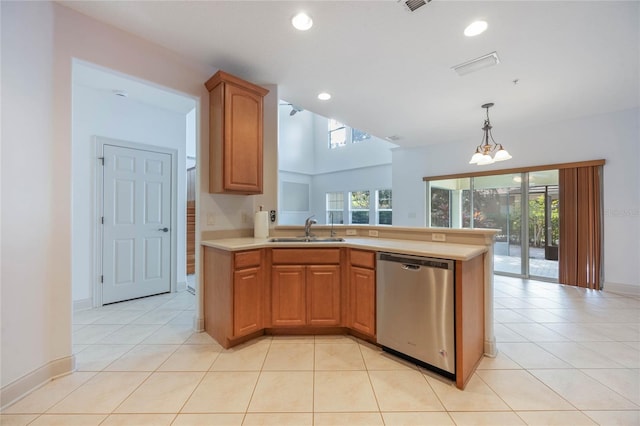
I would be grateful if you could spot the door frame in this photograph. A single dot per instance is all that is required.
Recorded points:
(99, 142)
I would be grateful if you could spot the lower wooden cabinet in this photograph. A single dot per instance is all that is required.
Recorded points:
(247, 301)
(233, 294)
(323, 295)
(362, 295)
(288, 295)
(362, 291)
(298, 291)
(305, 295)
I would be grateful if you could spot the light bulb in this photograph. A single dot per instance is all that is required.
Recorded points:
(501, 155)
(475, 158)
(302, 21)
(486, 159)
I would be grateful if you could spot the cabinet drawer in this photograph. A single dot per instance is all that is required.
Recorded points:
(244, 259)
(306, 256)
(366, 259)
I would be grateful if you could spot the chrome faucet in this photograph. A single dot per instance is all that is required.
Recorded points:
(307, 226)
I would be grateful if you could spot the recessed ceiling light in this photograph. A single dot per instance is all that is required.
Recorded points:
(475, 28)
(302, 21)
(324, 96)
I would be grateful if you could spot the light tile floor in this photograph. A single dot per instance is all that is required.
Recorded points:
(567, 356)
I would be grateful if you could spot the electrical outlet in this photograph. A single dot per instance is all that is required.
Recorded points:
(373, 233)
(211, 219)
(245, 217)
(438, 237)
(352, 232)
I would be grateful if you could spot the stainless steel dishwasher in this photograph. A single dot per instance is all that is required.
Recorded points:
(415, 309)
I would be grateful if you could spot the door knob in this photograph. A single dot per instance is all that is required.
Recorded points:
(165, 229)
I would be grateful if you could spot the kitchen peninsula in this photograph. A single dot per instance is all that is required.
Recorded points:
(254, 286)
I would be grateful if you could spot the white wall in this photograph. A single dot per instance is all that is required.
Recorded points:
(293, 217)
(100, 113)
(191, 138)
(36, 251)
(613, 137)
(39, 42)
(372, 152)
(296, 141)
(304, 156)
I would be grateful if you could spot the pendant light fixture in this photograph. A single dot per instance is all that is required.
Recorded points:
(486, 148)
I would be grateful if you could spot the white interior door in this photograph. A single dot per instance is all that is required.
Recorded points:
(137, 216)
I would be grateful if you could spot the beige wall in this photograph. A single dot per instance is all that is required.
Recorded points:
(39, 41)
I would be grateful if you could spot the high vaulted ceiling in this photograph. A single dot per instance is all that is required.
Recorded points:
(389, 70)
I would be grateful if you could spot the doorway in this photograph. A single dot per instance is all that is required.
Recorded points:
(136, 225)
(137, 111)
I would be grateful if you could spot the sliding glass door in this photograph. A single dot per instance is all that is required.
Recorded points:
(522, 206)
(544, 227)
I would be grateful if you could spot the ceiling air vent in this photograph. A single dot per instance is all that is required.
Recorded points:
(412, 5)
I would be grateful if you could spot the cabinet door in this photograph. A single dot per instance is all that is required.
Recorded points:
(323, 294)
(242, 169)
(247, 301)
(288, 295)
(363, 300)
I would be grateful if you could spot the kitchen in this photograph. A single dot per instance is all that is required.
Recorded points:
(38, 234)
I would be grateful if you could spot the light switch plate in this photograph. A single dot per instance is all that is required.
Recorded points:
(211, 219)
(438, 237)
(352, 232)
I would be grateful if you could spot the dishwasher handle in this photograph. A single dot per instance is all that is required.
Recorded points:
(408, 267)
(408, 260)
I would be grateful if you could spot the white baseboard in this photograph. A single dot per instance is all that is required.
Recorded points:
(624, 289)
(181, 286)
(198, 324)
(82, 304)
(37, 378)
(490, 348)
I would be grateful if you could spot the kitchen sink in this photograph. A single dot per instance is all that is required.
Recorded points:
(306, 240)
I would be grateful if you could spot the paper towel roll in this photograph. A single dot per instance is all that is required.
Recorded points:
(261, 225)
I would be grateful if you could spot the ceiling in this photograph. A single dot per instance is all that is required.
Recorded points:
(389, 70)
(90, 75)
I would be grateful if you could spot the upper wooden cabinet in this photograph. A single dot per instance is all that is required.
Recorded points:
(235, 135)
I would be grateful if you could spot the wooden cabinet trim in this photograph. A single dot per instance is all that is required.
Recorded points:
(222, 76)
(469, 305)
(364, 258)
(245, 259)
(296, 256)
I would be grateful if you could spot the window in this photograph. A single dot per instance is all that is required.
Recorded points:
(384, 213)
(335, 207)
(440, 207)
(359, 136)
(337, 134)
(359, 207)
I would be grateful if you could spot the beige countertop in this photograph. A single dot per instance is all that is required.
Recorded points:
(417, 248)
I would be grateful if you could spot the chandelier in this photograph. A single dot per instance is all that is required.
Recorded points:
(487, 148)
